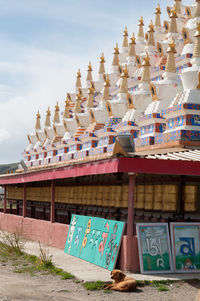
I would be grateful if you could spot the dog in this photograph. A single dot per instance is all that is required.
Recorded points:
(122, 283)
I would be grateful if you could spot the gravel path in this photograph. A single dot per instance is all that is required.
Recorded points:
(23, 287)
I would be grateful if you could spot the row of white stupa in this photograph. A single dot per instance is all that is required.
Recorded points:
(145, 96)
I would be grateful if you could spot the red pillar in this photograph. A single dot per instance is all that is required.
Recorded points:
(131, 202)
(52, 217)
(24, 201)
(130, 222)
(5, 199)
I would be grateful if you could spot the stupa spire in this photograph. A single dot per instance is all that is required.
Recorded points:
(151, 40)
(115, 61)
(47, 120)
(131, 49)
(78, 79)
(102, 67)
(125, 39)
(141, 30)
(197, 42)
(89, 72)
(79, 96)
(106, 86)
(173, 24)
(124, 83)
(146, 69)
(67, 106)
(37, 124)
(170, 64)
(90, 100)
(157, 19)
(177, 6)
(56, 118)
(197, 9)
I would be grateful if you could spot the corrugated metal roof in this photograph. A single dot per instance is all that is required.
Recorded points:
(187, 155)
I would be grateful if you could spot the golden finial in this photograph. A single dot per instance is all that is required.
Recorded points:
(173, 13)
(38, 115)
(151, 27)
(37, 125)
(125, 33)
(106, 81)
(141, 22)
(197, 33)
(89, 67)
(78, 75)
(125, 72)
(116, 49)
(68, 99)
(158, 10)
(172, 46)
(132, 39)
(79, 95)
(91, 90)
(146, 61)
(102, 58)
(57, 109)
(48, 112)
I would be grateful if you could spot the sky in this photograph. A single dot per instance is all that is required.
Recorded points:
(42, 45)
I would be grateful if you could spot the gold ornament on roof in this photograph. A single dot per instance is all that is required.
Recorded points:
(132, 39)
(89, 67)
(125, 72)
(68, 99)
(38, 115)
(172, 46)
(158, 10)
(106, 81)
(125, 33)
(79, 95)
(48, 112)
(116, 49)
(173, 13)
(78, 75)
(151, 27)
(57, 109)
(146, 61)
(141, 22)
(91, 90)
(102, 58)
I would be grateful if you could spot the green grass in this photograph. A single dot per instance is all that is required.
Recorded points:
(162, 288)
(94, 286)
(107, 291)
(77, 281)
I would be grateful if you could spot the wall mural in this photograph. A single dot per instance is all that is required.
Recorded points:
(185, 239)
(94, 239)
(154, 248)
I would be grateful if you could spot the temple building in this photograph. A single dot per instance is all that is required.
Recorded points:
(126, 147)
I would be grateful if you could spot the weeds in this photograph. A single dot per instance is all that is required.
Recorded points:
(12, 250)
(45, 257)
(94, 286)
(11, 243)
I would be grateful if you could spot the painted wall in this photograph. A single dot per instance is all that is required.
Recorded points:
(50, 234)
(55, 235)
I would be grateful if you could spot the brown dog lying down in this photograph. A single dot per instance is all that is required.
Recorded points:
(122, 283)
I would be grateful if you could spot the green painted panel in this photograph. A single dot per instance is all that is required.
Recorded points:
(154, 248)
(94, 239)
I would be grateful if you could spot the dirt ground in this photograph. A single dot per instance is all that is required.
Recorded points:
(24, 287)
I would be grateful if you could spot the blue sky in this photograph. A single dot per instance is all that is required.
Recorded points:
(43, 43)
